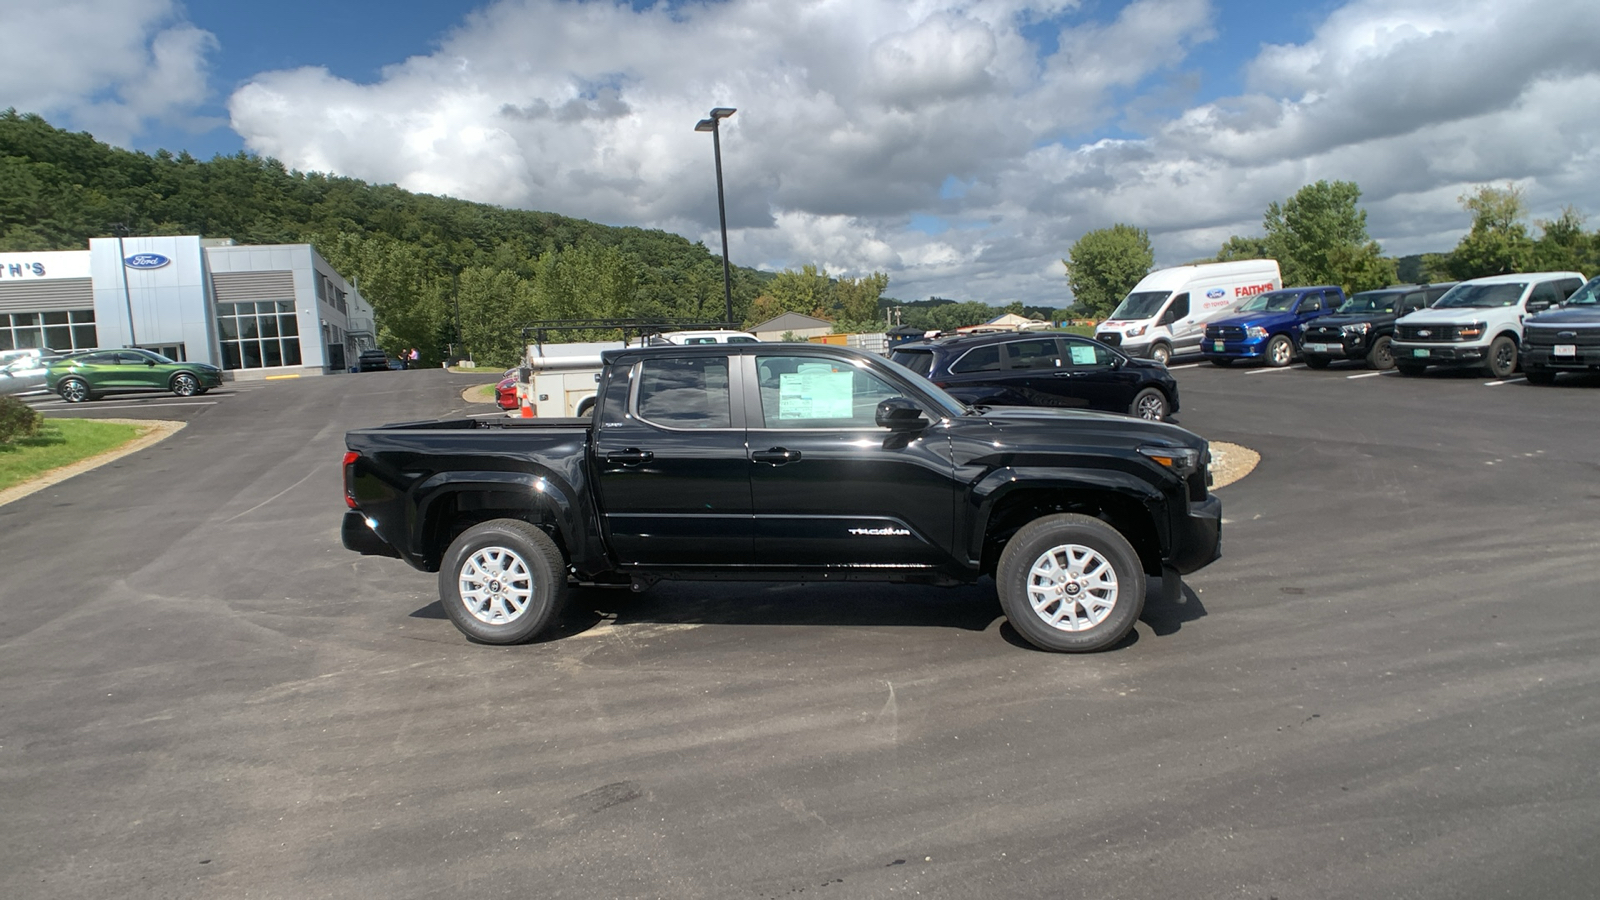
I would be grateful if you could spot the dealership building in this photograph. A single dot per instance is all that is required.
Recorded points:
(253, 311)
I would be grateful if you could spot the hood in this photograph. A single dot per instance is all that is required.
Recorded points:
(1587, 314)
(1456, 316)
(1351, 319)
(1245, 320)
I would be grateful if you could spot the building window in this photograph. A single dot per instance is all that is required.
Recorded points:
(56, 330)
(263, 334)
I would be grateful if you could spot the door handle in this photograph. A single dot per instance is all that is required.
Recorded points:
(630, 457)
(777, 456)
(1067, 374)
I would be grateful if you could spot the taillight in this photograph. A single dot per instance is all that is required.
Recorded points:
(350, 457)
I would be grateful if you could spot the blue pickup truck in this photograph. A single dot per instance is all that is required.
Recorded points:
(1267, 326)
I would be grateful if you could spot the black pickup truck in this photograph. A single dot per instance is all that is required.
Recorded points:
(784, 462)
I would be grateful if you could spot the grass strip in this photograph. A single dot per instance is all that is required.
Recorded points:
(61, 442)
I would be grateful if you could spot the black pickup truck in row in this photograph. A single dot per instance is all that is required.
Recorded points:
(784, 462)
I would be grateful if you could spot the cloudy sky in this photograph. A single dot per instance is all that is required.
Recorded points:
(959, 146)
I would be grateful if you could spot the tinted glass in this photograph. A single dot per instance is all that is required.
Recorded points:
(1034, 354)
(1588, 295)
(1546, 292)
(918, 361)
(1466, 296)
(806, 392)
(1273, 301)
(685, 393)
(1141, 305)
(978, 359)
(1085, 354)
(1370, 302)
(1179, 308)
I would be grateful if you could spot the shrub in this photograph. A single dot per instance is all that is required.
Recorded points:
(17, 419)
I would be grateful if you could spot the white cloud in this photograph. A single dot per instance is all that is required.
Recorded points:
(105, 66)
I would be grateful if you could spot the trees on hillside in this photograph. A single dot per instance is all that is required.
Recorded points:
(851, 302)
(1104, 265)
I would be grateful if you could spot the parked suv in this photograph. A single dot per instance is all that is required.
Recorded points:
(372, 360)
(1043, 369)
(1363, 327)
(1478, 322)
(1565, 339)
(1267, 326)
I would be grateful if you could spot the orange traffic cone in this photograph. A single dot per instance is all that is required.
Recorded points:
(526, 401)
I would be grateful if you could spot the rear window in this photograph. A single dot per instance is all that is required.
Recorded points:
(918, 361)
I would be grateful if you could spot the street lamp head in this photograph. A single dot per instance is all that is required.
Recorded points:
(722, 112)
(706, 125)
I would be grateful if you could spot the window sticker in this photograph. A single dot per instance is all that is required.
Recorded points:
(1082, 356)
(815, 395)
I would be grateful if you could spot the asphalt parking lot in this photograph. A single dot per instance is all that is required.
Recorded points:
(1386, 688)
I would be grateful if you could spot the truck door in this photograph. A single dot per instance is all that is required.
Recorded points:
(1181, 323)
(674, 481)
(831, 488)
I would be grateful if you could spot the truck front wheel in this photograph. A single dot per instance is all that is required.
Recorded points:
(1070, 584)
(502, 582)
(1280, 351)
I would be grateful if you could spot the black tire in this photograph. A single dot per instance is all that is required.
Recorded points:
(1150, 404)
(1501, 360)
(74, 390)
(1070, 540)
(1409, 370)
(585, 406)
(1161, 353)
(1279, 352)
(1316, 362)
(1221, 362)
(185, 385)
(1539, 376)
(526, 555)
(1380, 357)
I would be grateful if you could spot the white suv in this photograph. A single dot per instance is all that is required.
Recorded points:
(1478, 322)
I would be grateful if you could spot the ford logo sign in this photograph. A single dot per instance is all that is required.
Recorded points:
(1215, 293)
(146, 261)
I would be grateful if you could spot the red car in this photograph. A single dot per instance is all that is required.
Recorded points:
(505, 393)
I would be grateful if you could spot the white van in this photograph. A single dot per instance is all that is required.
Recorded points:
(1165, 314)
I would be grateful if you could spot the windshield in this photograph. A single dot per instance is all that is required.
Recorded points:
(948, 405)
(1370, 302)
(1274, 301)
(1465, 296)
(1588, 295)
(1141, 305)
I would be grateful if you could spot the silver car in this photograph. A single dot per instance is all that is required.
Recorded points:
(25, 373)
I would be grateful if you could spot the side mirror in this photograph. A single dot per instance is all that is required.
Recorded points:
(1538, 305)
(900, 414)
(150, 362)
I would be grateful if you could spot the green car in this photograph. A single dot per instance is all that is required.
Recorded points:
(90, 376)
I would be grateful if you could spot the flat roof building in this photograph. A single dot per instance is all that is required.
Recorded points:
(253, 310)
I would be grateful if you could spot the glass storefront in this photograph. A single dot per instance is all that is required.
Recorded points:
(57, 330)
(259, 335)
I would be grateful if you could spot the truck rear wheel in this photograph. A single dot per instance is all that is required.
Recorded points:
(1070, 583)
(502, 582)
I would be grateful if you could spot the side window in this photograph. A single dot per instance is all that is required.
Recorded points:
(1566, 287)
(1310, 303)
(1547, 293)
(1034, 354)
(1086, 354)
(1178, 309)
(978, 359)
(808, 392)
(98, 359)
(689, 392)
(1412, 303)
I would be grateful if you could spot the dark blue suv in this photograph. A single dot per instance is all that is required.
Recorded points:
(1043, 368)
(1267, 326)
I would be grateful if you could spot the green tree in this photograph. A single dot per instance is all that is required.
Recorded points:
(1317, 231)
(1238, 247)
(856, 299)
(1104, 265)
(1498, 241)
(808, 291)
(1563, 245)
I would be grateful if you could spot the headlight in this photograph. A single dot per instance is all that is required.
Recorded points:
(1471, 332)
(1356, 328)
(1136, 330)
(1256, 331)
(1181, 460)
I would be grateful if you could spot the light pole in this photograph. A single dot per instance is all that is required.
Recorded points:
(122, 266)
(710, 124)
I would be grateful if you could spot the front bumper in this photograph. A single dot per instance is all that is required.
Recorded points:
(1352, 346)
(1250, 348)
(1545, 358)
(1437, 354)
(1197, 537)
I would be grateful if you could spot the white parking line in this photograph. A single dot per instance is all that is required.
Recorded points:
(1184, 366)
(1364, 375)
(1266, 370)
(1507, 381)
